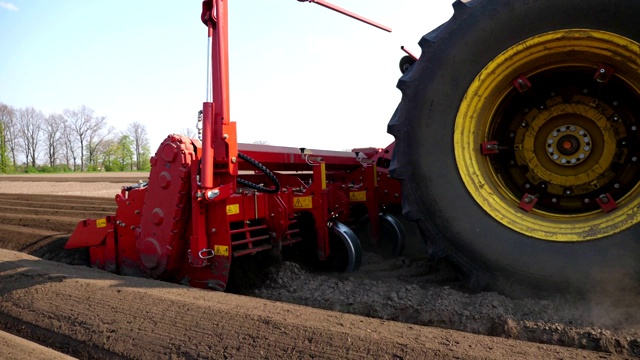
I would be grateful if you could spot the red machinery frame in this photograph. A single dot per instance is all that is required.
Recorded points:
(192, 218)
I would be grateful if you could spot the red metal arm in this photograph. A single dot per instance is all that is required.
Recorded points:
(350, 14)
(219, 143)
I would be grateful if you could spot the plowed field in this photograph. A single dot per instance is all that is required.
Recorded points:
(88, 313)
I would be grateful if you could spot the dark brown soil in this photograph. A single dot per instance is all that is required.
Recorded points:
(91, 314)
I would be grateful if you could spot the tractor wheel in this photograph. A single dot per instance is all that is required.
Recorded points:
(518, 147)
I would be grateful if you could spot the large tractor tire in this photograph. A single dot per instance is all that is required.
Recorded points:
(518, 147)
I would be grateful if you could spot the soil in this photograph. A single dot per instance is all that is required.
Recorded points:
(404, 308)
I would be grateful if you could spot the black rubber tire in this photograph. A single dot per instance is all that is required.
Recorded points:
(392, 239)
(489, 254)
(346, 251)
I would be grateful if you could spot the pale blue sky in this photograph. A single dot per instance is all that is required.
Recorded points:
(301, 75)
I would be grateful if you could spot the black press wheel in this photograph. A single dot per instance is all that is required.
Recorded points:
(517, 143)
(391, 240)
(345, 249)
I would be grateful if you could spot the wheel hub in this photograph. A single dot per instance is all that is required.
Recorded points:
(568, 145)
(557, 118)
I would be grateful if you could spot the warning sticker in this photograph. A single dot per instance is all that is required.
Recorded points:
(303, 202)
(358, 196)
(233, 209)
(221, 250)
(101, 222)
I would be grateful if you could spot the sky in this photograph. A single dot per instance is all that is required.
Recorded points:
(301, 75)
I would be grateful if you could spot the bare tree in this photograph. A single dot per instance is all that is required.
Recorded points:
(9, 133)
(189, 132)
(30, 123)
(95, 138)
(6, 117)
(138, 134)
(69, 151)
(83, 124)
(53, 127)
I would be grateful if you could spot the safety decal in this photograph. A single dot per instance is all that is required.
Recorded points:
(221, 250)
(101, 222)
(233, 209)
(358, 196)
(303, 202)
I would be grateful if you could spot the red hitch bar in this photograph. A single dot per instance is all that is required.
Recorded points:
(350, 14)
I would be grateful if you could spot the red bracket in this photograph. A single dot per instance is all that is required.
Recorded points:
(489, 147)
(522, 84)
(603, 74)
(606, 202)
(527, 202)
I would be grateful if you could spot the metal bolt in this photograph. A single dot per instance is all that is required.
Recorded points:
(555, 133)
(634, 159)
(604, 199)
(554, 200)
(225, 137)
(586, 139)
(586, 201)
(213, 230)
(550, 141)
(581, 156)
(615, 103)
(555, 157)
(512, 135)
(564, 161)
(581, 132)
(634, 128)
(587, 148)
(524, 123)
(616, 118)
(573, 161)
(526, 186)
(573, 128)
(616, 185)
(550, 149)
(234, 159)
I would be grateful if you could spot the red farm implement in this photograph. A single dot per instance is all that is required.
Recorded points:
(210, 201)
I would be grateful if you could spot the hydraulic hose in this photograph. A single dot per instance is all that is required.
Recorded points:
(267, 172)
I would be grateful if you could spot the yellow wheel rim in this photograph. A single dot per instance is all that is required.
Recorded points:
(561, 107)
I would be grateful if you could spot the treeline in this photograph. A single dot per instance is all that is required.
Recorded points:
(75, 140)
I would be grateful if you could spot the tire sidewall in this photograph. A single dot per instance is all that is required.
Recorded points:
(470, 40)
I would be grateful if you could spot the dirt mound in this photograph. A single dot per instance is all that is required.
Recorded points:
(92, 314)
